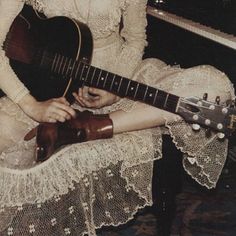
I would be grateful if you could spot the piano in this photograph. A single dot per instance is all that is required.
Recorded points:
(193, 32)
(189, 33)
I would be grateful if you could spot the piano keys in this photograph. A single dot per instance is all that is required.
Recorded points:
(217, 14)
(185, 41)
(208, 32)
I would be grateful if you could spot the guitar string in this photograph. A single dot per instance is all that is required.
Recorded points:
(50, 58)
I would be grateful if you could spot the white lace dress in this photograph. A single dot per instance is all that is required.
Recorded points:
(104, 182)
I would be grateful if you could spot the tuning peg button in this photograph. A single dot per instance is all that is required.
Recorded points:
(195, 117)
(196, 127)
(224, 110)
(219, 126)
(220, 135)
(199, 103)
(207, 122)
(212, 107)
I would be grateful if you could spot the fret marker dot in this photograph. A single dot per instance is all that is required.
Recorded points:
(132, 88)
(102, 78)
(116, 83)
(150, 95)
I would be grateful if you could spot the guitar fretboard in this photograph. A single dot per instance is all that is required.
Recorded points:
(85, 74)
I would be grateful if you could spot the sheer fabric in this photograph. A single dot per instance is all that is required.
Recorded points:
(104, 182)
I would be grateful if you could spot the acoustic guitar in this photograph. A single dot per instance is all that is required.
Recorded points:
(52, 57)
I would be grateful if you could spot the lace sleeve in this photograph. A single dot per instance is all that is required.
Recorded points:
(9, 82)
(134, 35)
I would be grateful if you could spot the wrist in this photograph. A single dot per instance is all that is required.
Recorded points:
(27, 102)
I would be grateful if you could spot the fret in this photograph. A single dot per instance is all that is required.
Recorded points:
(116, 83)
(79, 73)
(63, 69)
(172, 102)
(136, 90)
(166, 99)
(87, 67)
(78, 69)
(150, 95)
(68, 67)
(53, 63)
(105, 81)
(84, 73)
(56, 63)
(123, 88)
(72, 69)
(60, 64)
(108, 84)
(95, 77)
(120, 85)
(110, 89)
(132, 88)
(97, 82)
(57, 69)
(160, 99)
(154, 101)
(145, 93)
(101, 78)
(140, 93)
(90, 75)
(127, 89)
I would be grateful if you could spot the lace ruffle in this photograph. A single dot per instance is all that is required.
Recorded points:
(69, 165)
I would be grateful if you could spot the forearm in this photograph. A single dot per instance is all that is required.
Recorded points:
(9, 82)
(141, 117)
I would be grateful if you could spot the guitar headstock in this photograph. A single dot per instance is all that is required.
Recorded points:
(220, 118)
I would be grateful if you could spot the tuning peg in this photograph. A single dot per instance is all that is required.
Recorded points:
(205, 96)
(221, 135)
(217, 100)
(195, 127)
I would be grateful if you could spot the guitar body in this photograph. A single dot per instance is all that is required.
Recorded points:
(30, 36)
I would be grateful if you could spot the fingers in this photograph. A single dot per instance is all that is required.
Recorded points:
(89, 101)
(94, 98)
(63, 108)
(57, 109)
(85, 91)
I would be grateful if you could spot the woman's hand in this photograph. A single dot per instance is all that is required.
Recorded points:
(95, 98)
(52, 110)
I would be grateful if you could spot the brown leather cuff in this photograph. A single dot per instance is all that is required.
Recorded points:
(99, 127)
(85, 127)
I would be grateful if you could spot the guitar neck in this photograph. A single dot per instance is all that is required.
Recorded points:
(84, 74)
